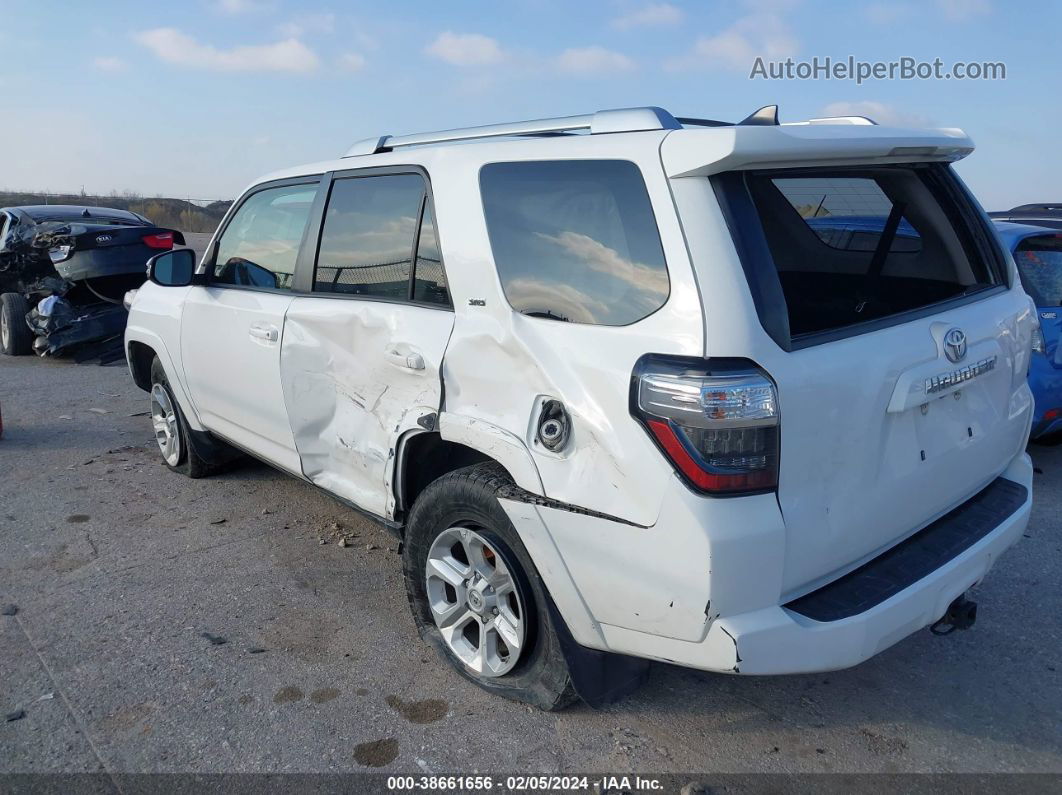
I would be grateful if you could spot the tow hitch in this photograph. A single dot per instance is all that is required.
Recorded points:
(961, 614)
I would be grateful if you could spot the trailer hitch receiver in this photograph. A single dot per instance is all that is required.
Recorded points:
(961, 614)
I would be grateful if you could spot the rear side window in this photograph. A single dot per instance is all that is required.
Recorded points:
(855, 245)
(575, 240)
(1039, 261)
(375, 229)
(261, 243)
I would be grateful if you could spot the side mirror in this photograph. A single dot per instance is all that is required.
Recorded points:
(172, 268)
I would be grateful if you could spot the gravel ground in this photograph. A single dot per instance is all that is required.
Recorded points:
(218, 625)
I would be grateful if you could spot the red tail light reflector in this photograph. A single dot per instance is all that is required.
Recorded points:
(163, 240)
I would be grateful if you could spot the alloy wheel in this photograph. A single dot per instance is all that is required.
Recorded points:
(164, 421)
(475, 601)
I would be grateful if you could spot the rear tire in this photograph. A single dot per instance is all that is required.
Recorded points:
(460, 512)
(16, 339)
(176, 443)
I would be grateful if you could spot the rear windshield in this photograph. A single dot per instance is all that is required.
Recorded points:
(1039, 262)
(855, 245)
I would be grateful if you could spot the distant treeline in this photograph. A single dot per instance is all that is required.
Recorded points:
(173, 213)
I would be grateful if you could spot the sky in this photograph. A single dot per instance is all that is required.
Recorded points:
(197, 98)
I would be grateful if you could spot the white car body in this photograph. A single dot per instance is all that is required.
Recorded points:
(333, 389)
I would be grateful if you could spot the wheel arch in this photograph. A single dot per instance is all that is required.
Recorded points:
(141, 348)
(423, 456)
(140, 355)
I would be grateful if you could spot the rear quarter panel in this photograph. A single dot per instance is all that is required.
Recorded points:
(499, 362)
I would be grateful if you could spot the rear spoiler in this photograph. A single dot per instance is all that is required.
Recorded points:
(711, 150)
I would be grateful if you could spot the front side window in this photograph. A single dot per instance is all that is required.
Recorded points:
(1039, 261)
(575, 240)
(260, 245)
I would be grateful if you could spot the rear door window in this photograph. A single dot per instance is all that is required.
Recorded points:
(1039, 261)
(379, 241)
(575, 240)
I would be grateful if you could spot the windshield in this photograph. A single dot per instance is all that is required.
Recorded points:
(1039, 262)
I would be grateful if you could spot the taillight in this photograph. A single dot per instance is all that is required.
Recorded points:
(716, 420)
(161, 240)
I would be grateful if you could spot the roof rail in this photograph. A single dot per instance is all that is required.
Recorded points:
(604, 121)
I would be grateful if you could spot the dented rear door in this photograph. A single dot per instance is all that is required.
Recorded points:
(362, 352)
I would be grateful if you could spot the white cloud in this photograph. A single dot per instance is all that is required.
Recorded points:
(887, 115)
(593, 60)
(236, 7)
(962, 10)
(649, 16)
(109, 63)
(173, 46)
(351, 62)
(653, 282)
(307, 23)
(465, 49)
(758, 35)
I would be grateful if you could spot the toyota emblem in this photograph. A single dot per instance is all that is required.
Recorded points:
(955, 345)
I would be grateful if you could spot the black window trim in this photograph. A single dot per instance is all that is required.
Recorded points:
(652, 212)
(746, 231)
(206, 267)
(311, 245)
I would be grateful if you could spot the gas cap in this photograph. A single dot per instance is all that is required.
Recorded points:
(554, 425)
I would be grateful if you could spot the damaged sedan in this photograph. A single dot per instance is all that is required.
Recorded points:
(63, 272)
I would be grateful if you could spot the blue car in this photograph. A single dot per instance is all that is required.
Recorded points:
(1038, 254)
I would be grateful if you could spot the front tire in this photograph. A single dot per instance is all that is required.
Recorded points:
(171, 428)
(16, 339)
(475, 594)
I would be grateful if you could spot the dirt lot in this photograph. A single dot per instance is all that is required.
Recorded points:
(166, 624)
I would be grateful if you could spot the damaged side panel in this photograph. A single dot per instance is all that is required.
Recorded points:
(502, 367)
(353, 384)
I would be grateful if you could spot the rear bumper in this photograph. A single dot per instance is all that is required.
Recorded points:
(775, 638)
(781, 640)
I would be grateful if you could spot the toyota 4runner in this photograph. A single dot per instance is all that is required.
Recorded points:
(749, 398)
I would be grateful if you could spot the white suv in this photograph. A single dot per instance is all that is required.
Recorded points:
(747, 397)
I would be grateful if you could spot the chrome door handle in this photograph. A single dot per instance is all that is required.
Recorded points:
(408, 361)
(264, 331)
